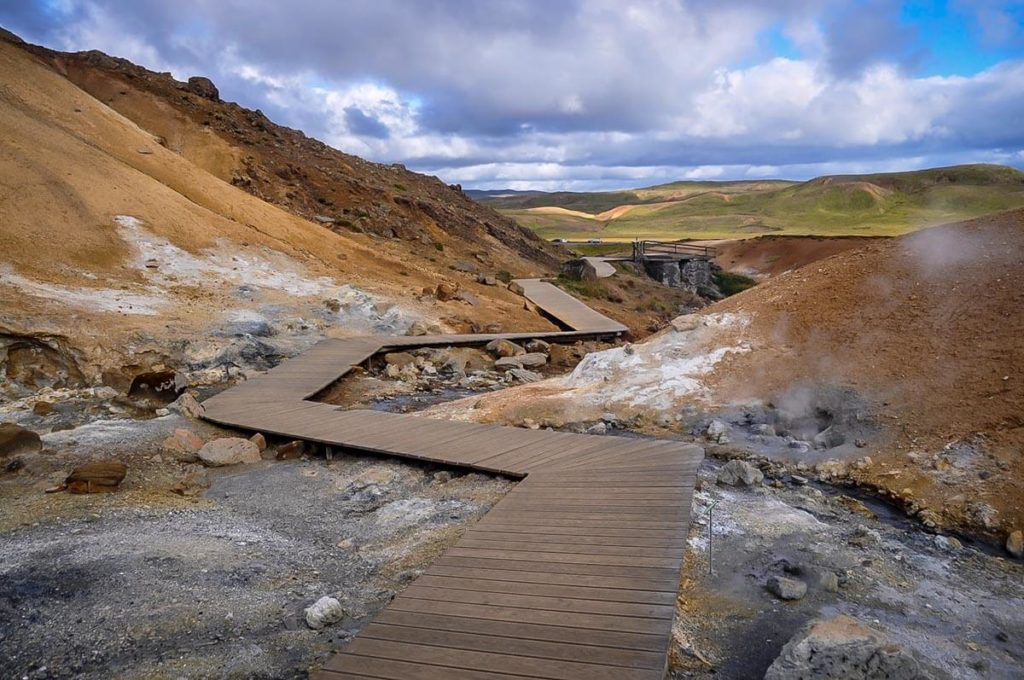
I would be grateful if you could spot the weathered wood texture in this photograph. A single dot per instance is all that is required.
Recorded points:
(572, 575)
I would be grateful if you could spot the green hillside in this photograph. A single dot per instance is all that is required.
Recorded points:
(876, 204)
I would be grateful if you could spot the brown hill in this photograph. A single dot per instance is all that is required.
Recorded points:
(914, 346)
(121, 245)
(300, 174)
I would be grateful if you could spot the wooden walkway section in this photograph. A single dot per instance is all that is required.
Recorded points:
(571, 576)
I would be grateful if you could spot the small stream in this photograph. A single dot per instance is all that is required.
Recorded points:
(418, 401)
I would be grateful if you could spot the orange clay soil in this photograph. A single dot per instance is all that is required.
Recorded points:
(70, 164)
(767, 256)
(929, 328)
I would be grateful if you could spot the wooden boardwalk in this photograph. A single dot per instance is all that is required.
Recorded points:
(572, 575)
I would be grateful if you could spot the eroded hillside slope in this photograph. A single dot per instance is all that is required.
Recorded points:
(911, 348)
(118, 253)
(300, 174)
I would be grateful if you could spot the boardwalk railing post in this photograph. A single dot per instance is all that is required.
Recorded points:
(711, 534)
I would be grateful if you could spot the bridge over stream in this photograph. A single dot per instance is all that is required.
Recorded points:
(571, 576)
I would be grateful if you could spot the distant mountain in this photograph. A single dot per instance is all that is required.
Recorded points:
(873, 204)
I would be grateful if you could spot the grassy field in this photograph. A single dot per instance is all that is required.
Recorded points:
(866, 205)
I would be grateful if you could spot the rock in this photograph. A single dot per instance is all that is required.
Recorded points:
(516, 288)
(828, 580)
(15, 440)
(786, 588)
(332, 305)
(532, 359)
(455, 366)
(763, 429)
(292, 450)
(948, 543)
(717, 431)
(260, 441)
(597, 428)
(686, 322)
(442, 476)
(399, 359)
(828, 438)
(417, 328)
(203, 87)
(739, 473)
(195, 480)
(523, 375)
(324, 612)
(464, 266)
(1015, 543)
(842, 647)
(42, 408)
(184, 445)
(504, 348)
(446, 291)
(188, 406)
(102, 477)
(229, 451)
(538, 346)
(799, 480)
(468, 298)
(487, 280)
(507, 363)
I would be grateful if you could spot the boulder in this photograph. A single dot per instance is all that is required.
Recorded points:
(538, 346)
(739, 473)
(203, 87)
(260, 441)
(487, 280)
(686, 322)
(229, 451)
(516, 288)
(102, 477)
(507, 363)
(184, 445)
(399, 359)
(324, 612)
(188, 406)
(786, 588)
(292, 450)
(15, 440)
(504, 348)
(842, 647)
(523, 375)
(597, 428)
(532, 359)
(464, 266)
(417, 328)
(42, 408)
(446, 291)
(717, 431)
(1015, 543)
(468, 298)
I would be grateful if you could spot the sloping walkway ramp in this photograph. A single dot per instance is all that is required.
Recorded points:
(571, 576)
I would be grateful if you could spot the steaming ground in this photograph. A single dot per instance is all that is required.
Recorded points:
(911, 347)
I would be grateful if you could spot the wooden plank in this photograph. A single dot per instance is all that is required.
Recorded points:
(541, 649)
(489, 661)
(572, 575)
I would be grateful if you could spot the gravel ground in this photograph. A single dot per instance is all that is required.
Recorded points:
(146, 584)
(959, 608)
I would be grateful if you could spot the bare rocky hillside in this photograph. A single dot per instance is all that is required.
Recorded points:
(147, 224)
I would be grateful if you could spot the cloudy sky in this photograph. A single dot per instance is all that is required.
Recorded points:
(593, 94)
